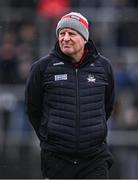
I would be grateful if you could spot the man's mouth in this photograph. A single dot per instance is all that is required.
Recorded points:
(67, 46)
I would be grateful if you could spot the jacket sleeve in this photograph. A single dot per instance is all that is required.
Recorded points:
(109, 94)
(33, 97)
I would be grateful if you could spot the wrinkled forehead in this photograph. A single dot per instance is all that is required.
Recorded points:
(67, 30)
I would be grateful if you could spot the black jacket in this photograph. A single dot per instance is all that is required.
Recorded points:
(69, 107)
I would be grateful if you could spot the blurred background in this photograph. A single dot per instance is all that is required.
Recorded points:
(27, 32)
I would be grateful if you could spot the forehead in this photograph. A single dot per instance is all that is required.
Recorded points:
(68, 30)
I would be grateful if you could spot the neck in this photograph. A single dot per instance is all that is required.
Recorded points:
(77, 57)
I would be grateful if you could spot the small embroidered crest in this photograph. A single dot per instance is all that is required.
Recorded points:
(91, 78)
(92, 64)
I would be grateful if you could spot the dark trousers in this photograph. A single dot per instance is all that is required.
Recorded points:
(56, 167)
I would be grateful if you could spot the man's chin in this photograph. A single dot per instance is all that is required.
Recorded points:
(67, 52)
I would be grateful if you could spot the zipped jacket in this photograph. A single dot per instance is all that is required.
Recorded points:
(69, 107)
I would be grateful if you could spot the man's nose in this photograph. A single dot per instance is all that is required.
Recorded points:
(66, 37)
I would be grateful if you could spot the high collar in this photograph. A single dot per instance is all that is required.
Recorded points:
(90, 46)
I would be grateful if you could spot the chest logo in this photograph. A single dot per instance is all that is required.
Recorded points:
(91, 78)
(92, 64)
(60, 77)
(58, 63)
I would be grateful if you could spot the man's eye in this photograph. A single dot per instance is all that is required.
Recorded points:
(72, 34)
(61, 34)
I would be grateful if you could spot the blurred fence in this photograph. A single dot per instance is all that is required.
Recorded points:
(19, 147)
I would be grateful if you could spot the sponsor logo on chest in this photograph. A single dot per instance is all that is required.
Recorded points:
(60, 77)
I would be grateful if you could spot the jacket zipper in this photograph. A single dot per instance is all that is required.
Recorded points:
(77, 112)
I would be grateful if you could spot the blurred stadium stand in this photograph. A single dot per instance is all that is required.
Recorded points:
(26, 34)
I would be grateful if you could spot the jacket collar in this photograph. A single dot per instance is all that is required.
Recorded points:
(92, 51)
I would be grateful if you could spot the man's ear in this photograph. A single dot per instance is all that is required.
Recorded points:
(85, 41)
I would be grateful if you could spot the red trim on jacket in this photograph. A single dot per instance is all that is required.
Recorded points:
(77, 64)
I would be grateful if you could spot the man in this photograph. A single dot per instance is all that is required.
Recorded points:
(69, 98)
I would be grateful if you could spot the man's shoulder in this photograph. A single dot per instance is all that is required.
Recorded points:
(106, 63)
(104, 60)
(41, 63)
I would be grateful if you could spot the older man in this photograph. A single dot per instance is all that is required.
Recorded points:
(69, 98)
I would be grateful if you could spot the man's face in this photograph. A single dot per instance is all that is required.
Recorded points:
(71, 42)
